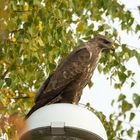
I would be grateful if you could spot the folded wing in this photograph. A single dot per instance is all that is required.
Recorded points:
(66, 73)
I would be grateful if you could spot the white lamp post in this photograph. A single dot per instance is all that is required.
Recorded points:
(64, 122)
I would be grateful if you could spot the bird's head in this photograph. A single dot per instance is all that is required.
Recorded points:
(104, 43)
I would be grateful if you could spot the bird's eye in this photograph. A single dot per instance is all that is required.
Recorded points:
(106, 42)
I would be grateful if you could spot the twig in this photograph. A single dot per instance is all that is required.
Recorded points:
(4, 74)
(21, 97)
(22, 11)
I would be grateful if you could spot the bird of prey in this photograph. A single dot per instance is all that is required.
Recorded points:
(66, 83)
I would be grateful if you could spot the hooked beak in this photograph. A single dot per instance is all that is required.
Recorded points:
(113, 48)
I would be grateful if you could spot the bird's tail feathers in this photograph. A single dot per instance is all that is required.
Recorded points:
(34, 108)
(41, 104)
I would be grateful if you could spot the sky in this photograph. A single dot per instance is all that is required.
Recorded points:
(102, 93)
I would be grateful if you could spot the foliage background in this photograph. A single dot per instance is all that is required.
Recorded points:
(36, 35)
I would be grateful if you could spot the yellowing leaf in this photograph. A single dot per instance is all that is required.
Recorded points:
(2, 62)
(34, 49)
(12, 93)
(80, 27)
(20, 125)
(40, 41)
(31, 94)
(26, 40)
(13, 39)
(26, 6)
(40, 26)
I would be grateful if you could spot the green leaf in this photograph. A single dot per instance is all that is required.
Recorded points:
(117, 86)
(122, 76)
(130, 132)
(112, 102)
(132, 84)
(90, 84)
(8, 81)
(138, 57)
(121, 97)
(36, 2)
(80, 27)
(1, 83)
(139, 8)
(137, 28)
(119, 125)
(136, 99)
(100, 68)
(126, 55)
(40, 41)
(14, 5)
(57, 13)
(106, 70)
(101, 28)
(91, 26)
(132, 115)
(126, 106)
(138, 136)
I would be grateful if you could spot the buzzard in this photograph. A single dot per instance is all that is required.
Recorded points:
(66, 83)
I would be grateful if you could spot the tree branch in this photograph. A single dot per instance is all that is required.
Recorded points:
(4, 74)
(22, 11)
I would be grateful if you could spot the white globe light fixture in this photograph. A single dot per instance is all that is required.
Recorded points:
(64, 122)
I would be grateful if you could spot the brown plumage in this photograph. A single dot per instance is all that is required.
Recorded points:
(66, 83)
